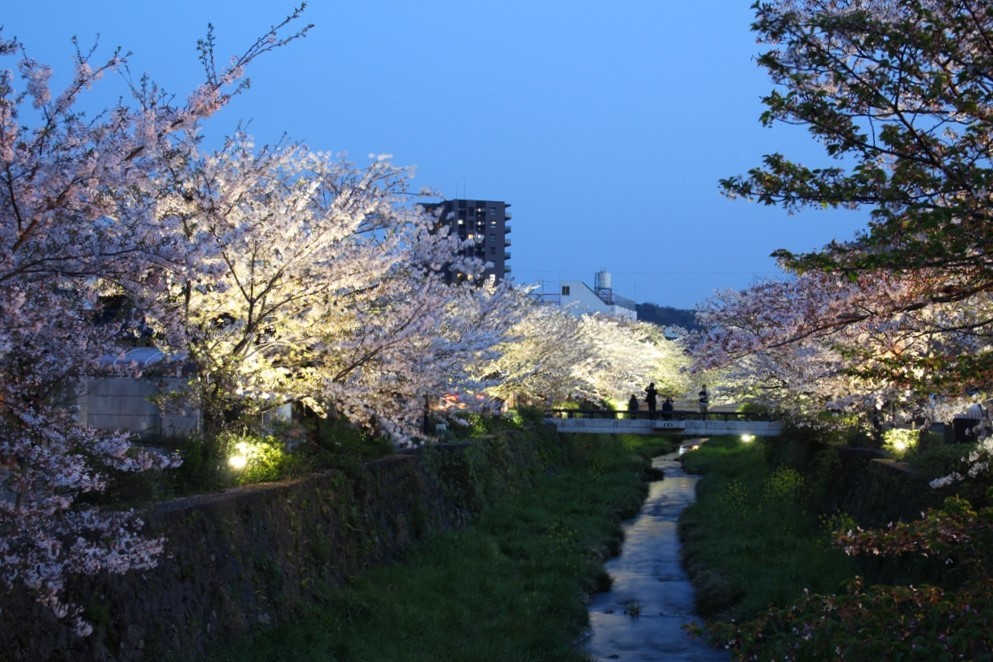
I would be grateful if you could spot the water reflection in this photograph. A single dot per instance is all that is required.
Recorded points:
(641, 617)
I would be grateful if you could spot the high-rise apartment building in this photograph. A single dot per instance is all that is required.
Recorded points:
(483, 222)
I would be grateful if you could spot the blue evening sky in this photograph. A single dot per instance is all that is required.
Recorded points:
(605, 125)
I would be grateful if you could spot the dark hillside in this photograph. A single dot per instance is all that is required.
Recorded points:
(667, 316)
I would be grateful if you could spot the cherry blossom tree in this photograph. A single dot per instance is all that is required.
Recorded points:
(822, 341)
(897, 92)
(622, 355)
(900, 89)
(76, 205)
(308, 279)
(554, 356)
(284, 247)
(422, 339)
(538, 362)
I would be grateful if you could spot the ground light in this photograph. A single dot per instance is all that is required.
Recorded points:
(239, 460)
(747, 438)
(899, 440)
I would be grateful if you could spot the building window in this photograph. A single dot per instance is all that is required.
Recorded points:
(565, 290)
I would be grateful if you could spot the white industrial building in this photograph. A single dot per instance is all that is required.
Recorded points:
(578, 298)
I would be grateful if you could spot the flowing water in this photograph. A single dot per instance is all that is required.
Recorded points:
(641, 617)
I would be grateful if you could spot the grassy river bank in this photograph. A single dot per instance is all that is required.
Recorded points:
(512, 586)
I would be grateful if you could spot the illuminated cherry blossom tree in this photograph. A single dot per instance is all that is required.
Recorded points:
(77, 196)
(284, 249)
(822, 341)
(538, 363)
(622, 356)
(555, 356)
(308, 279)
(897, 92)
(421, 339)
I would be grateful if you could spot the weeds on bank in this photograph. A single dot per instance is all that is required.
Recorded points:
(748, 541)
(510, 587)
(924, 589)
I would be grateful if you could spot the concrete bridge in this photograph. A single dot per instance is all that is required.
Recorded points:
(687, 423)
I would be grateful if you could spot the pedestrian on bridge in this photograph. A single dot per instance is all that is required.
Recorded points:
(667, 409)
(633, 407)
(704, 400)
(651, 397)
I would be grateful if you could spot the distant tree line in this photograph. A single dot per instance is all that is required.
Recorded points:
(667, 316)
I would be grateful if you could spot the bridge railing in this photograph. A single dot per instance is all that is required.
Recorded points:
(676, 415)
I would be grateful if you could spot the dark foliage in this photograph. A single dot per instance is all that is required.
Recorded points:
(668, 316)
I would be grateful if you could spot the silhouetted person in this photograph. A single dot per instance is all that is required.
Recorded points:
(651, 397)
(633, 406)
(704, 400)
(667, 409)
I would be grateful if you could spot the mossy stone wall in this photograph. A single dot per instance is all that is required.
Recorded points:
(878, 490)
(864, 483)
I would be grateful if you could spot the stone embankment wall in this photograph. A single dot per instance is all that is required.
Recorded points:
(864, 483)
(877, 490)
(256, 556)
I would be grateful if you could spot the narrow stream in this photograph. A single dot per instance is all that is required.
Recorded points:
(648, 578)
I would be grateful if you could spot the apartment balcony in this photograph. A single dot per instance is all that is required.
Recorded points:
(506, 241)
(506, 256)
(506, 229)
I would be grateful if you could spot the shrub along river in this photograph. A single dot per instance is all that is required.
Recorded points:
(642, 616)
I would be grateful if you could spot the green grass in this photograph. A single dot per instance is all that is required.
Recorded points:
(749, 542)
(510, 587)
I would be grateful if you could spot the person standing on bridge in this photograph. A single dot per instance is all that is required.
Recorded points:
(633, 407)
(667, 409)
(704, 400)
(651, 397)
